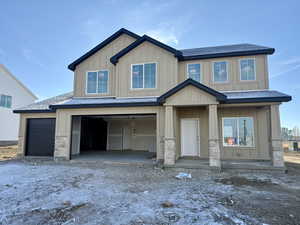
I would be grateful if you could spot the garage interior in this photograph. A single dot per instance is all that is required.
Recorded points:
(114, 137)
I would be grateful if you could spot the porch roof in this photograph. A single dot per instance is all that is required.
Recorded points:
(67, 100)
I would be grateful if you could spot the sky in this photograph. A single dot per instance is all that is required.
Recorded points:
(38, 39)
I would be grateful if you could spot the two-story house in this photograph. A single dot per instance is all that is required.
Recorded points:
(135, 93)
(13, 94)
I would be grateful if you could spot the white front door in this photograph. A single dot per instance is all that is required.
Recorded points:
(190, 137)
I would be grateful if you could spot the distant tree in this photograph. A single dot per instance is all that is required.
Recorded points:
(285, 133)
(296, 131)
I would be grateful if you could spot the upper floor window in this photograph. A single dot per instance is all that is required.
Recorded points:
(238, 131)
(220, 71)
(247, 69)
(97, 82)
(193, 71)
(143, 76)
(5, 101)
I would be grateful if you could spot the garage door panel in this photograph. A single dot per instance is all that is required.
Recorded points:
(40, 137)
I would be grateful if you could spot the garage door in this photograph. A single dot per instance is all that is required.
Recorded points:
(40, 137)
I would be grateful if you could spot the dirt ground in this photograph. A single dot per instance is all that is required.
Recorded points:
(48, 193)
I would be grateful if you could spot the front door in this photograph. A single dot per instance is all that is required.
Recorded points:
(190, 137)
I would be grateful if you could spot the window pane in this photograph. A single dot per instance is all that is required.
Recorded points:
(102, 81)
(8, 101)
(220, 71)
(194, 72)
(230, 131)
(246, 131)
(137, 76)
(92, 82)
(150, 76)
(2, 101)
(247, 69)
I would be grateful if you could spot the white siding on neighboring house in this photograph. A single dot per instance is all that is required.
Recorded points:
(21, 96)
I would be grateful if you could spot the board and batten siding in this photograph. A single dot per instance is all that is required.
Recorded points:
(166, 76)
(261, 150)
(100, 61)
(234, 82)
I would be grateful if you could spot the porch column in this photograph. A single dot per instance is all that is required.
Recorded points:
(170, 147)
(214, 142)
(276, 141)
(62, 136)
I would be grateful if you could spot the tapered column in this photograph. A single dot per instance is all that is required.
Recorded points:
(276, 141)
(170, 147)
(214, 142)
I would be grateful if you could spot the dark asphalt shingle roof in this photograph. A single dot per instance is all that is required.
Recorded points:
(104, 102)
(44, 104)
(254, 96)
(67, 101)
(225, 50)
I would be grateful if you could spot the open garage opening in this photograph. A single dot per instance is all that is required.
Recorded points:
(114, 137)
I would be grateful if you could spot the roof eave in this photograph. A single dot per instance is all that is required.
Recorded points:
(34, 111)
(73, 65)
(114, 59)
(128, 104)
(219, 96)
(259, 100)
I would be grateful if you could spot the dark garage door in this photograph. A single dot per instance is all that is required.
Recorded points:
(40, 137)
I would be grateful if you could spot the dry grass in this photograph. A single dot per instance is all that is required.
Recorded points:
(8, 152)
(292, 157)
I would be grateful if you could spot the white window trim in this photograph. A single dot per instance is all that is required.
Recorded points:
(227, 70)
(86, 83)
(237, 146)
(187, 70)
(241, 69)
(143, 88)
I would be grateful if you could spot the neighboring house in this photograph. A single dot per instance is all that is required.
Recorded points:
(13, 94)
(292, 143)
(134, 92)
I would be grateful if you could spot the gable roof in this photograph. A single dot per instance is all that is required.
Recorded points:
(225, 51)
(73, 65)
(219, 96)
(114, 59)
(6, 71)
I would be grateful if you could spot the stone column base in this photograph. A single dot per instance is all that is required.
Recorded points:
(214, 154)
(170, 151)
(278, 160)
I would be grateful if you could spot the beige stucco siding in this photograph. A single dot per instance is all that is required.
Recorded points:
(100, 61)
(166, 76)
(23, 125)
(234, 82)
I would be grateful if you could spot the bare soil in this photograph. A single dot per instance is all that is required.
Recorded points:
(65, 193)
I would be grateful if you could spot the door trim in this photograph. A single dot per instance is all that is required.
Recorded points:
(198, 136)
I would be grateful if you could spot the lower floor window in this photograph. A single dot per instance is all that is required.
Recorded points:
(238, 131)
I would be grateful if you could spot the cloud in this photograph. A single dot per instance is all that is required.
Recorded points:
(164, 35)
(287, 66)
(295, 60)
(32, 58)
